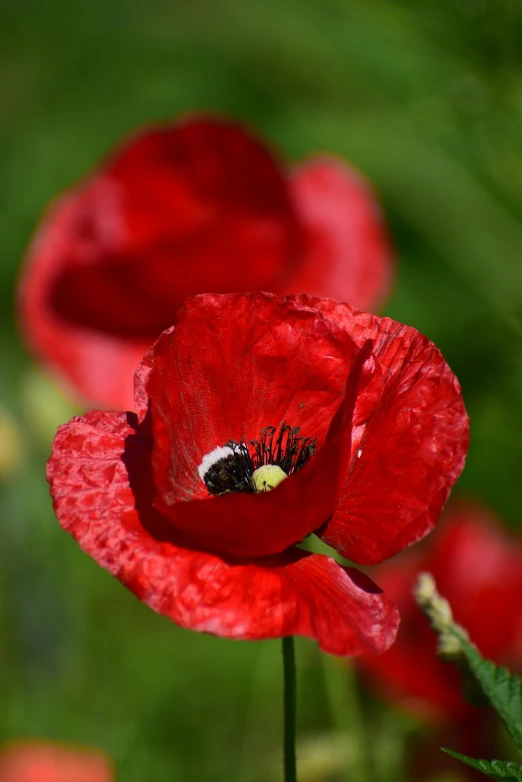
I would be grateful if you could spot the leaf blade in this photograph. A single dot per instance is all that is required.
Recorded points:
(503, 689)
(500, 770)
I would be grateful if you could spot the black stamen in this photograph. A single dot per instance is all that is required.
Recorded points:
(234, 473)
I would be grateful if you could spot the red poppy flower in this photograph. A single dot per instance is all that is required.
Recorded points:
(47, 762)
(478, 568)
(181, 209)
(356, 423)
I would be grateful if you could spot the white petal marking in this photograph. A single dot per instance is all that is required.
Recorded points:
(220, 452)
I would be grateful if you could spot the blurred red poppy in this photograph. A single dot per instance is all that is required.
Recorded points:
(356, 423)
(38, 761)
(478, 567)
(179, 209)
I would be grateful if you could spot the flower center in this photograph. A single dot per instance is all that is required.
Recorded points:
(260, 465)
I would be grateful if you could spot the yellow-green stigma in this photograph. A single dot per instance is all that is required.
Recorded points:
(267, 477)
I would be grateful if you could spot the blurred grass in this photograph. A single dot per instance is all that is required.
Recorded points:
(426, 99)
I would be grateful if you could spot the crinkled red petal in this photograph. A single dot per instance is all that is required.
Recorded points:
(411, 449)
(102, 487)
(233, 365)
(267, 523)
(348, 251)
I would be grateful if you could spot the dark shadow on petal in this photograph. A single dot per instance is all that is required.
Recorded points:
(137, 460)
(363, 581)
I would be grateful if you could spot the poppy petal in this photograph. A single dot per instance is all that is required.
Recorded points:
(39, 761)
(247, 524)
(91, 364)
(348, 252)
(101, 482)
(232, 366)
(477, 565)
(412, 448)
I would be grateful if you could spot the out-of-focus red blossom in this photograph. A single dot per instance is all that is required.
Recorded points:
(201, 205)
(478, 567)
(35, 761)
(391, 437)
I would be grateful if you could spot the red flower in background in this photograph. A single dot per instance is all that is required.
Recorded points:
(180, 209)
(478, 568)
(356, 423)
(37, 761)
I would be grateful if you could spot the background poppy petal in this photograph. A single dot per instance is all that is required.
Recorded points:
(177, 209)
(39, 761)
(348, 251)
(477, 565)
(93, 365)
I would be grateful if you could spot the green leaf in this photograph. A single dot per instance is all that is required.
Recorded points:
(503, 690)
(504, 770)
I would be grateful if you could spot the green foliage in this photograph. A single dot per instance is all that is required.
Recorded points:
(504, 770)
(503, 690)
(426, 99)
(499, 687)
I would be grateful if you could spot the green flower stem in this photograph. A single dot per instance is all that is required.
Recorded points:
(289, 709)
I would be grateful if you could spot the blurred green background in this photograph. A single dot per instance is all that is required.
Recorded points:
(426, 99)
